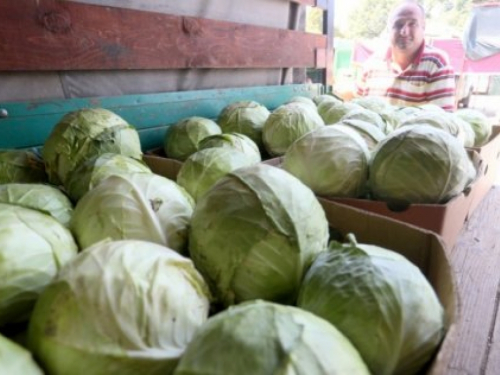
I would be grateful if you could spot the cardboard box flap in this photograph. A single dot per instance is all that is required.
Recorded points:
(165, 167)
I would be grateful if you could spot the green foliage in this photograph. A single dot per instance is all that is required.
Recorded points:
(314, 20)
(369, 19)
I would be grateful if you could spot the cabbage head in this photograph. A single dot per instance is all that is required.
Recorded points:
(120, 307)
(286, 124)
(481, 124)
(44, 198)
(205, 167)
(367, 116)
(96, 169)
(340, 158)
(431, 107)
(369, 132)
(380, 301)
(245, 117)
(318, 99)
(85, 133)
(141, 206)
(254, 234)
(22, 166)
(401, 114)
(33, 248)
(442, 120)
(376, 104)
(260, 337)
(332, 112)
(237, 141)
(182, 138)
(304, 100)
(466, 127)
(419, 164)
(15, 360)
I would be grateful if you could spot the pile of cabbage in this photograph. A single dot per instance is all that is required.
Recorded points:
(228, 269)
(371, 150)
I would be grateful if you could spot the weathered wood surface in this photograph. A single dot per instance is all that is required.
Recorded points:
(476, 262)
(56, 35)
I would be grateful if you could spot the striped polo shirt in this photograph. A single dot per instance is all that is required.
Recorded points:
(429, 79)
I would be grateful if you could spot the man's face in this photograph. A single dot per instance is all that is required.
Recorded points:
(406, 27)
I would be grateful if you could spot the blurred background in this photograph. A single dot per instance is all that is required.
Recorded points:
(360, 29)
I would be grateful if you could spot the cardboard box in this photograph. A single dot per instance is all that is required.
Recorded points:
(490, 153)
(446, 220)
(424, 248)
(159, 151)
(163, 166)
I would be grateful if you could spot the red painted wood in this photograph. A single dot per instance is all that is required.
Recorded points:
(57, 35)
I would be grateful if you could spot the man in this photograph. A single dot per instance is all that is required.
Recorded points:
(409, 72)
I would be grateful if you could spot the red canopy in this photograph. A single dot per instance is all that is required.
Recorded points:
(454, 47)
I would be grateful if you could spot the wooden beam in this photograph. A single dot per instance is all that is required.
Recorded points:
(58, 35)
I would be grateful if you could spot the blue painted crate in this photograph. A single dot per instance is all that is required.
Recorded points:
(28, 124)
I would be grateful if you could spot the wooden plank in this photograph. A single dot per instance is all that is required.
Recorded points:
(29, 124)
(53, 35)
(491, 362)
(476, 261)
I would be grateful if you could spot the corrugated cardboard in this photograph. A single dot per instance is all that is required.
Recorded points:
(490, 153)
(446, 220)
(424, 248)
(163, 166)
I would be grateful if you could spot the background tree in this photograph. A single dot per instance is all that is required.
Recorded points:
(369, 19)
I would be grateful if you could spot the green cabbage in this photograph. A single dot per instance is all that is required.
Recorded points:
(446, 121)
(370, 133)
(21, 166)
(318, 99)
(380, 301)
(265, 338)
(331, 161)
(332, 112)
(254, 234)
(419, 164)
(44, 198)
(15, 360)
(182, 138)
(237, 141)
(245, 117)
(481, 125)
(304, 100)
(120, 307)
(83, 134)
(142, 206)
(96, 169)
(367, 116)
(33, 248)
(376, 104)
(204, 168)
(286, 124)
